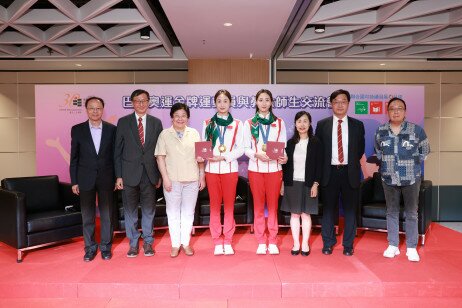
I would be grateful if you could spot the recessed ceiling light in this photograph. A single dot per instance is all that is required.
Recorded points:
(382, 64)
(145, 34)
(78, 64)
(227, 24)
(319, 28)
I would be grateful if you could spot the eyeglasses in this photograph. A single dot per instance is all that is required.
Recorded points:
(140, 101)
(397, 109)
(340, 102)
(95, 109)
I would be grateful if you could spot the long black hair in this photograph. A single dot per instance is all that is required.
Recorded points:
(268, 92)
(296, 136)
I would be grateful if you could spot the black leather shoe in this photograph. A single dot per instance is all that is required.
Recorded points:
(106, 255)
(295, 252)
(89, 256)
(132, 252)
(148, 251)
(327, 250)
(348, 252)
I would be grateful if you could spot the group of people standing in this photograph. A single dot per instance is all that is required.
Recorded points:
(139, 155)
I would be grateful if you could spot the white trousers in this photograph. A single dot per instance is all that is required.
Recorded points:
(181, 202)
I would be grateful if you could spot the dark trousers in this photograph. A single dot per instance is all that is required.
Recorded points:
(144, 194)
(339, 187)
(88, 209)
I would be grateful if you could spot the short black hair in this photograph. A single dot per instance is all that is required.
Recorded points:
(396, 99)
(94, 97)
(339, 92)
(179, 106)
(138, 92)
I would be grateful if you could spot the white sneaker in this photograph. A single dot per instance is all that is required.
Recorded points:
(412, 255)
(391, 251)
(218, 250)
(261, 250)
(273, 249)
(229, 249)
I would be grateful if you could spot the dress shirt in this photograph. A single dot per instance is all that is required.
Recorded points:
(344, 125)
(96, 132)
(401, 154)
(143, 120)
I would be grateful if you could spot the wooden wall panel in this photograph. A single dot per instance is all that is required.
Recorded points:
(302, 77)
(161, 77)
(226, 71)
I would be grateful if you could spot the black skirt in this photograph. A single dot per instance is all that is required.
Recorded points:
(297, 199)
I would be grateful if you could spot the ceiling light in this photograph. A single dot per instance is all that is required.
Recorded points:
(227, 24)
(319, 28)
(144, 34)
(78, 64)
(382, 64)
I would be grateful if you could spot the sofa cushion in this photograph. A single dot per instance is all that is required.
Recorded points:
(239, 208)
(41, 192)
(378, 194)
(378, 210)
(49, 220)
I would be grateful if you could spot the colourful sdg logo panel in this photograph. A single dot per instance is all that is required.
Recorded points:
(376, 107)
(361, 107)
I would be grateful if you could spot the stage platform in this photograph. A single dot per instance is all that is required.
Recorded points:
(57, 276)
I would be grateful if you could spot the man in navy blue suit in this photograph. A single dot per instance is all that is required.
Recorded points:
(92, 173)
(343, 142)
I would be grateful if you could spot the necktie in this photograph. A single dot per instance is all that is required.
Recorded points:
(141, 130)
(339, 142)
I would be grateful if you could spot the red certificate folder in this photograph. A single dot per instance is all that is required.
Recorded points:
(204, 149)
(274, 149)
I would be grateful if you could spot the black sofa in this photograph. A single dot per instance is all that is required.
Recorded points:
(160, 218)
(243, 207)
(372, 210)
(37, 211)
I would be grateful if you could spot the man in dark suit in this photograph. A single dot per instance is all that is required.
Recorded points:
(343, 142)
(136, 171)
(92, 172)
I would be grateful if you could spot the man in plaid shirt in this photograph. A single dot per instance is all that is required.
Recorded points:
(402, 147)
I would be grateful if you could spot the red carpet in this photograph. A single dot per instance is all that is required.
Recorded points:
(57, 275)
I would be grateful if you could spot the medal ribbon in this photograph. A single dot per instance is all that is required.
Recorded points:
(221, 134)
(264, 134)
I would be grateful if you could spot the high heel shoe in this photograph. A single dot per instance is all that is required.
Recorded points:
(295, 252)
(306, 253)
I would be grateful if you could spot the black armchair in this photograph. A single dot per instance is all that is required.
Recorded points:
(37, 211)
(372, 210)
(160, 218)
(243, 208)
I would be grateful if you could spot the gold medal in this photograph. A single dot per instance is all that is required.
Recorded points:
(263, 147)
(222, 148)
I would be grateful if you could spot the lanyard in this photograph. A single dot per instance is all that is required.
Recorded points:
(264, 134)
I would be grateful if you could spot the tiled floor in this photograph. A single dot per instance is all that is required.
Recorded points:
(456, 226)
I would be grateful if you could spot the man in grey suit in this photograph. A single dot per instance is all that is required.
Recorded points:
(136, 171)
